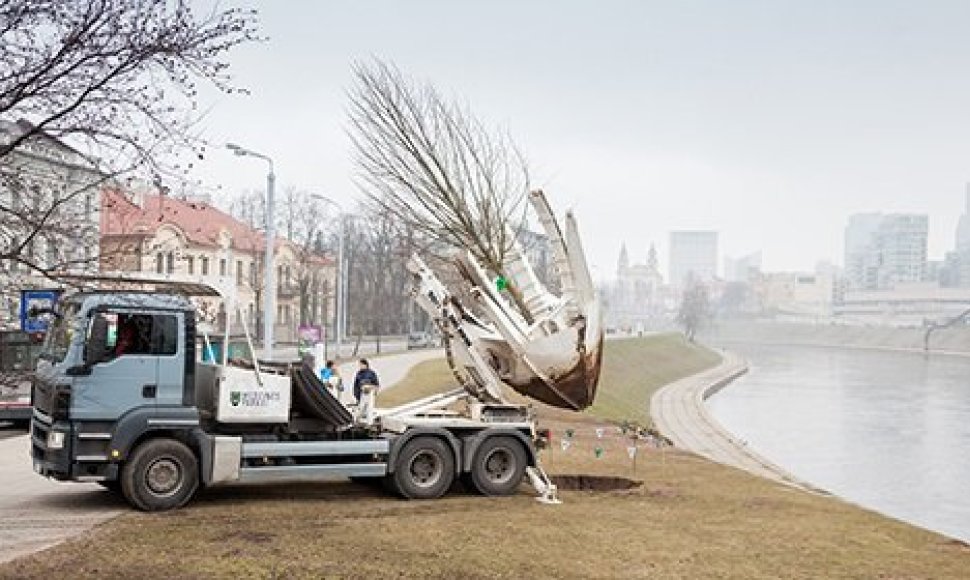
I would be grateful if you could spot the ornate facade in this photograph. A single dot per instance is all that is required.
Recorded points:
(192, 240)
(637, 300)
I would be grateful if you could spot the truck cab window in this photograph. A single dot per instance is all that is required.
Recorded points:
(140, 334)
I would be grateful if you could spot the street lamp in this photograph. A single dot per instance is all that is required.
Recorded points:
(269, 291)
(341, 273)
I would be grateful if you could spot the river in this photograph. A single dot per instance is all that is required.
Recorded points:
(888, 431)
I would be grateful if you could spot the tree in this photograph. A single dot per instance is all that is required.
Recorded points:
(113, 81)
(735, 298)
(433, 166)
(694, 308)
(377, 250)
(307, 225)
(311, 233)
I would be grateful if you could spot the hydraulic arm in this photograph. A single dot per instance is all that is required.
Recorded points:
(551, 351)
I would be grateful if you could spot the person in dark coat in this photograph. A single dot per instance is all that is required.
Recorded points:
(365, 376)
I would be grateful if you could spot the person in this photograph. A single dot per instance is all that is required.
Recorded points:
(331, 377)
(365, 376)
(127, 341)
(327, 371)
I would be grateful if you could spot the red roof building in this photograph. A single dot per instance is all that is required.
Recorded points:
(193, 240)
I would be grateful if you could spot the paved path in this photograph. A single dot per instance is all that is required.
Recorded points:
(679, 412)
(390, 369)
(36, 513)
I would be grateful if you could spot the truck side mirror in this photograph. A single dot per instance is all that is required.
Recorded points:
(94, 349)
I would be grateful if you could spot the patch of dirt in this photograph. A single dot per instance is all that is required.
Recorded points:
(594, 483)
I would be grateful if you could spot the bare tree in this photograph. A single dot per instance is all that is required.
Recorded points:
(310, 231)
(694, 308)
(307, 225)
(432, 165)
(377, 249)
(113, 81)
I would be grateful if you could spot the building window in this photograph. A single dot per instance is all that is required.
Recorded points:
(205, 266)
(159, 263)
(239, 272)
(170, 262)
(252, 274)
(222, 266)
(190, 264)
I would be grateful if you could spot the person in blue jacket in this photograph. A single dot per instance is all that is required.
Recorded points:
(327, 371)
(365, 376)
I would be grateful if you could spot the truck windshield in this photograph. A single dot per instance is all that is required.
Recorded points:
(59, 333)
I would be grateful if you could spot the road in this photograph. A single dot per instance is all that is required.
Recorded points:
(36, 513)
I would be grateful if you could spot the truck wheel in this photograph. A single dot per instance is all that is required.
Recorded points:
(498, 466)
(161, 474)
(425, 469)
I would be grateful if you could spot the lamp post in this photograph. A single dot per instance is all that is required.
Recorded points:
(269, 283)
(341, 294)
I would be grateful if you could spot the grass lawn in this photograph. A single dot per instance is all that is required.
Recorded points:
(690, 519)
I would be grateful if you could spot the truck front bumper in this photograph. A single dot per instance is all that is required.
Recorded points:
(49, 459)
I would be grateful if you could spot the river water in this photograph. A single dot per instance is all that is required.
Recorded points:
(888, 431)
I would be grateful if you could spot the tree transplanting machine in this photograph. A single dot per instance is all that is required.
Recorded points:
(123, 397)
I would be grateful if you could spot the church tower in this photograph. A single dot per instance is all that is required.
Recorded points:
(624, 264)
(652, 260)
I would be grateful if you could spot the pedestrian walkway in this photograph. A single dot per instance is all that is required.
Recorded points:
(679, 412)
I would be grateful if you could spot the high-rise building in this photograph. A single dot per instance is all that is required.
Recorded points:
(882, 250)
(859, 252)
(956, 268)
(963, 228)
(692, 254)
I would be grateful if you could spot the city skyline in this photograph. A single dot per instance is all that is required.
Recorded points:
(647, 117)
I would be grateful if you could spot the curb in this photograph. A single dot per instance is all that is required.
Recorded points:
(679, 412)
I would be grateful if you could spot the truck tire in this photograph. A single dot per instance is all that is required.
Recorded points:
(425, 469)
(162, 474)
(498, 466)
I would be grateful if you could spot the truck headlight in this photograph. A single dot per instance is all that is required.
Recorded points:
(55, 440)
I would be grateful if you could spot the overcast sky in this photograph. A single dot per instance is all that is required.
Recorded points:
(768, 121)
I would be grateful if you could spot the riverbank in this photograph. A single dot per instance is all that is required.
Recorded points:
(689, 518)
(942, 341)
(679, 412)
(882, 429)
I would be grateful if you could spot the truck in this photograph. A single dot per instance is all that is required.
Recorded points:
(18, 353)
(123, 395)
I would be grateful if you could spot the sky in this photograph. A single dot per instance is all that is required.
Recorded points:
(768, 121)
